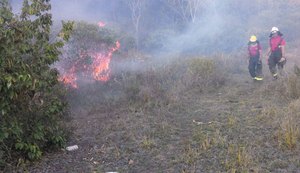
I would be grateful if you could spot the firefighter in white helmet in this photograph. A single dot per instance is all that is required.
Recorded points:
(276, 53)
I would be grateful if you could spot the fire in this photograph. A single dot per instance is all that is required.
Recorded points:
(101, 24)
(101, 71)
(98, 70)
(69, 78)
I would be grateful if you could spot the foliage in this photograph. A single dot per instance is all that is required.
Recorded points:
(85, 35)
(31, 100)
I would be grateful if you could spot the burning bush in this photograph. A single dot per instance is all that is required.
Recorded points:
(88, 54)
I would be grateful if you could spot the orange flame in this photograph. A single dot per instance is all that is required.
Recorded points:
(99, 69)
(69, 78)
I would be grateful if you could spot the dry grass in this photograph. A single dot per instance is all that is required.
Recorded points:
(288, 134)
(238, 159)
(231, 121)
(188, 116)
(147, 143)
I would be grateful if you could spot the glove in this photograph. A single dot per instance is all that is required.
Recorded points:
(259, 62)
(282, 59)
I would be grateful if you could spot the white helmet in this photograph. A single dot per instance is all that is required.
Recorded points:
(274, 30)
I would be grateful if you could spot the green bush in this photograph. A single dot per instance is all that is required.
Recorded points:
(85, 34)
(31, 99)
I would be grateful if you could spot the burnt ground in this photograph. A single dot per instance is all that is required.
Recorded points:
(240, 127)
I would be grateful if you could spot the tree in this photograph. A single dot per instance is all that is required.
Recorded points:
(136, 8)
(188, 10)
(193, 7)
(32, 109)
(179, 7)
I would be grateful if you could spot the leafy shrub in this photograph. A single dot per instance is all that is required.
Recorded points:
(31, 99)
(85, 34)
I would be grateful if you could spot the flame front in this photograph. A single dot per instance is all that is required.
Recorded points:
(98, 69)
(101, 71)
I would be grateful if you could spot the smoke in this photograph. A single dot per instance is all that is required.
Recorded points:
(219, 26)
(87, 10)
(223, 27)
(200, 36)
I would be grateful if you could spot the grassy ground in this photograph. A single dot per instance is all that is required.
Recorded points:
(151, 122)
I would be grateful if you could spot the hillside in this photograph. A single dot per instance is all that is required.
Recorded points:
(239, 126)
(147, 86)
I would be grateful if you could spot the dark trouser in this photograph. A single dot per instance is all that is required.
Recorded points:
(255, 67)
(273, 61)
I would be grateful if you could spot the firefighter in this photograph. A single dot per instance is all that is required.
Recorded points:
(255, 63)
(276, 52)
